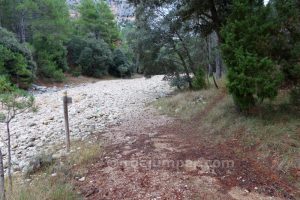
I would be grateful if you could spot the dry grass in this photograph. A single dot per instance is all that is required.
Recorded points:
(53, 182)
(273, 128)
(85, 153)
(43, 187)
(185, 105)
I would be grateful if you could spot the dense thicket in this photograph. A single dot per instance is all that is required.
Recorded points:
(16, 62)
(258, 43)
(253, 75)
(44, 31)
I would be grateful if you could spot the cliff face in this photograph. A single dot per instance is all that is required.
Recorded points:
(123, 11)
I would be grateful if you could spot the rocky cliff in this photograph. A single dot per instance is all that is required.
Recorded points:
(122, 10)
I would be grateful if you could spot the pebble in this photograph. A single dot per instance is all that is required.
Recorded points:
(95, 107)
(81, 179)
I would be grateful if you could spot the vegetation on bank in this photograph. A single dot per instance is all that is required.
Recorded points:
(272, 129)
(53, 180)
(39, 39)
(256, 44)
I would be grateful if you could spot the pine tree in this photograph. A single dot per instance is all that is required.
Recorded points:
(252, 74)
(98, 19)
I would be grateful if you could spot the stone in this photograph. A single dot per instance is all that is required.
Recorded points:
(81, 179)
(32, 124)
(39, 131)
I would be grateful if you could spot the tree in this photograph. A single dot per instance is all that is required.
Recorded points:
(13, 102)
(121, 65)
(252, 74)
(15, 15)
(95, 58)
(165, 44)
(286, 48)
(16, 61)
(97, 18)
(51, 27)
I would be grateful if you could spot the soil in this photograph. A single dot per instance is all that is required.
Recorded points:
(151, 156)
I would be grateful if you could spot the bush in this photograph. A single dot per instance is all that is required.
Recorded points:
(252, 75)
(121, 66)
(5, 85)
(199, 79)
(51, 58)
(91, 55)
(179, 81)
(48, 68)
(15, 60)
(252, 80)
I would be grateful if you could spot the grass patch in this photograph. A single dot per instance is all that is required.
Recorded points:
(43, 187)
(185, 104)
(273, 128)
(52, 181)
(85, 153)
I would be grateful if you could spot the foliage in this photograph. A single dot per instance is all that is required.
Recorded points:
(179, 81)
(52, 17)
(5, 85)
(51, 58)
(287, 45)
(45, 24)
(295, 96)
(121, 65)
(252, 75)
(199, 80)
(97, 18)
(15, 60)
(95, 58)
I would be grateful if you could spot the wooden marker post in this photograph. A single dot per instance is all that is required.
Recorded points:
(67, 100)
(2, 189)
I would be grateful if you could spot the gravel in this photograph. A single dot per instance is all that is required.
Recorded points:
(95, 107)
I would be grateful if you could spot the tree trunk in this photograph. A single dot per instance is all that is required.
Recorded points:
(210, 69)
(2, 188)
(218, 66)
(186, 69)
(191, 62)
(218, 59)
(9, 157)
(22, 30)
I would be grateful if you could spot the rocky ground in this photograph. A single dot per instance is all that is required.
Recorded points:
(95, 106)
(152, 156)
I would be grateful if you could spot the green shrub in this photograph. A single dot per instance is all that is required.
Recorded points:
(76, 71)
(199, 79)
(252, 79)
(5, 85)
(179, 81)
(94, 56)
(51, 58)
(121, 66)
(15, 60)
(252, 74)
(48, 68)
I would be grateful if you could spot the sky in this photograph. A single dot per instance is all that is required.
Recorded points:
(266, 1)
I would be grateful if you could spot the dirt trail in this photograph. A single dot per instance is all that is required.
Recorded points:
(151, 156)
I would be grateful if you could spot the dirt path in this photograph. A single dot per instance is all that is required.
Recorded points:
(151, 156)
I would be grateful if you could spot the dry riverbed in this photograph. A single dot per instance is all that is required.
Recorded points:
(95, 107)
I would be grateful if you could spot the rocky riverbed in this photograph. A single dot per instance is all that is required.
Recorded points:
(95, 107)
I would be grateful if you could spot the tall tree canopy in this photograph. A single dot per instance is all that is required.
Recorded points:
(97, 18)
